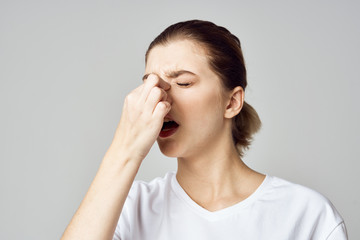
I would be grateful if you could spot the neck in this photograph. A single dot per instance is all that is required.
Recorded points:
(214, 176)
(218, 178)
(211, 165)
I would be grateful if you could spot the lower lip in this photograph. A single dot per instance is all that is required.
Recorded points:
(168, 133)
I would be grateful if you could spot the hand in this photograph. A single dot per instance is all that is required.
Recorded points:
(142, 117)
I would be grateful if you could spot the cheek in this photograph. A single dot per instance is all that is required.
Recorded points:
(202, 109)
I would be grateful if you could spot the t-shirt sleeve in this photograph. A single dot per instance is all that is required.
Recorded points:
(117, 234)
(122, 231)
(122, 228)
(339, 233)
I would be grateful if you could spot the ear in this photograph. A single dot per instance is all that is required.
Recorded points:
(235, 103)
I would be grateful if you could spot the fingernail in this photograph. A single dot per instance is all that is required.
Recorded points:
(151, 76)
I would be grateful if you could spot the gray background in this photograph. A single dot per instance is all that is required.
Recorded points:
(66, 67)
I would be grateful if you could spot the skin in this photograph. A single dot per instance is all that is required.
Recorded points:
(209, 168)
(141, 121)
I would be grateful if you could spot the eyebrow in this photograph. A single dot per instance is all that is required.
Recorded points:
(172, 74)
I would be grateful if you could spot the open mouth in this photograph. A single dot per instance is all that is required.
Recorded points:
(169, 128)
(169, 125)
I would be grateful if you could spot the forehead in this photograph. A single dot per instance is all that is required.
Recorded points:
(177, 55)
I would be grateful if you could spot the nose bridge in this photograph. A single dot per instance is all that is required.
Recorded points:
(162, 75)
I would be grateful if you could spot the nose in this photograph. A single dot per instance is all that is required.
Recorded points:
(166, 86)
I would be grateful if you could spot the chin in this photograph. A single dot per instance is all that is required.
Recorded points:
(169, 148)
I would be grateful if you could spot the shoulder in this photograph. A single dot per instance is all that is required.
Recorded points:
(304, 205)
(147, 191)
(289, 189)
(298, 194)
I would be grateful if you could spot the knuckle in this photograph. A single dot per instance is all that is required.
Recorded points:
(129, 98)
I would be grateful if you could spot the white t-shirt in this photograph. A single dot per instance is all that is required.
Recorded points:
(277, 210)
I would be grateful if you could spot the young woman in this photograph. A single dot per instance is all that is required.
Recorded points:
(192, 103)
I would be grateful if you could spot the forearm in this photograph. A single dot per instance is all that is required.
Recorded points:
(99, 211)
(141, 121)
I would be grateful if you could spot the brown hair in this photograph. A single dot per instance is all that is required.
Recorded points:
(225, 57)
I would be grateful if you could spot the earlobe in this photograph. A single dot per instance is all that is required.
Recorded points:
(235, 104)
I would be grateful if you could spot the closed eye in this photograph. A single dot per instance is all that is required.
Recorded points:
(183, 84)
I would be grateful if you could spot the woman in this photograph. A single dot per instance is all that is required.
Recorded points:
(192, 103)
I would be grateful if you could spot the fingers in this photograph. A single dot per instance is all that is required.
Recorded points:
(156, 95)
(163, 84)
(151, 82)
(160, 111)
(153, 78)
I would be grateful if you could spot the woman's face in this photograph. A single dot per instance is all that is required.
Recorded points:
(196, 95)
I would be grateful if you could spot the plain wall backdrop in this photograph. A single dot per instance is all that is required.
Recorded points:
(66, 67)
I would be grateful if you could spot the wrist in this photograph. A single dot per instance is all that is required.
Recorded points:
(118, 157)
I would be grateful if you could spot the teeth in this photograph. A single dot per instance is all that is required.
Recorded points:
(167, 120)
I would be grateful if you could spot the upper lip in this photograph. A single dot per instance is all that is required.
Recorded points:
(169, 117)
